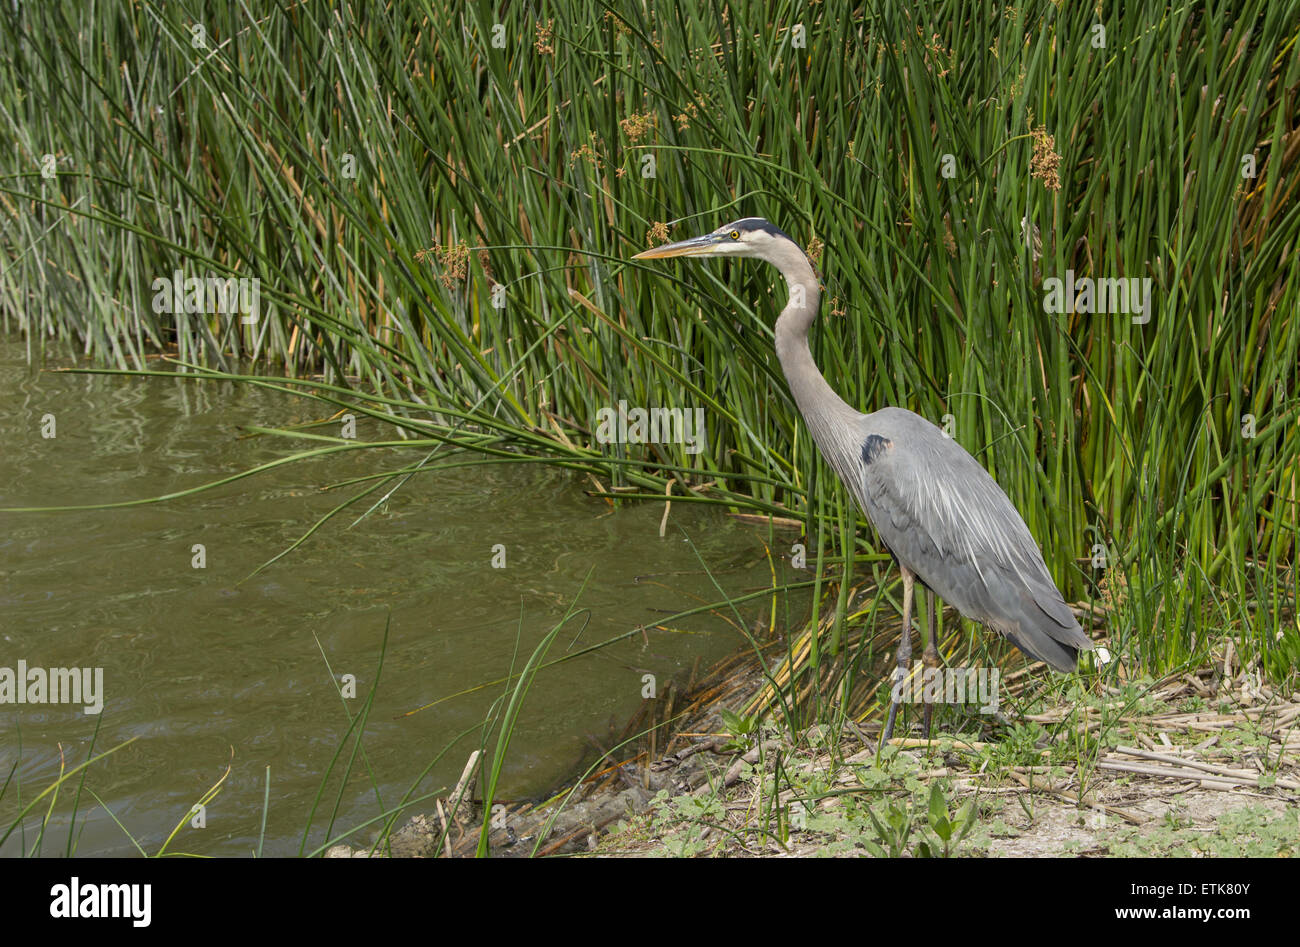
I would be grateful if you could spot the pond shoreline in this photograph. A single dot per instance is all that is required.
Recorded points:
(1176, 778)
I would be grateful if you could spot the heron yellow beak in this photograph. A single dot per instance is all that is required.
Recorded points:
(696, 246)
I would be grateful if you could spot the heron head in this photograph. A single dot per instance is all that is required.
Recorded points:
(750, 236)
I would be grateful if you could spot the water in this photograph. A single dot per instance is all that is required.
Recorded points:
(211, 669)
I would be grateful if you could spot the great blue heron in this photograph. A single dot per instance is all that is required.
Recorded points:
(943, 518)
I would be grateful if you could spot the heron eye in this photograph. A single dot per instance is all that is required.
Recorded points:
(735, 235)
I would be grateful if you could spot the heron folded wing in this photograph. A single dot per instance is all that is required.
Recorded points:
(948, 521)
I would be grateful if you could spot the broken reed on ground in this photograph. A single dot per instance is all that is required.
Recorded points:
(440, 225)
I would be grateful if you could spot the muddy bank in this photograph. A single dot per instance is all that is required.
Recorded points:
(1194, 765)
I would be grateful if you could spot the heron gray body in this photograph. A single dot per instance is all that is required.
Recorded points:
(940, 514)
(961, 535)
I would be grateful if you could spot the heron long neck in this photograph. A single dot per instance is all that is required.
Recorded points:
(828, 416)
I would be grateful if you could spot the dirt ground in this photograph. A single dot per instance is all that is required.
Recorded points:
(1197, 765)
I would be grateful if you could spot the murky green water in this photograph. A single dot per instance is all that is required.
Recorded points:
(209, 668)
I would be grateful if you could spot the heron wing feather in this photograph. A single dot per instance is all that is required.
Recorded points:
(946, 519)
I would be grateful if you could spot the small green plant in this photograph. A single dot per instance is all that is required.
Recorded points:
(950, 829)
(682, 823)
(1018, 748)
(741, 728)
(893, 829)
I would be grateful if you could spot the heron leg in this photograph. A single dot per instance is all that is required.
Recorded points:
(904, 654)
(930, 658)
